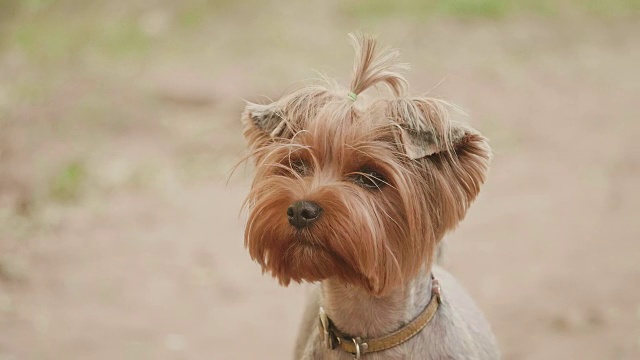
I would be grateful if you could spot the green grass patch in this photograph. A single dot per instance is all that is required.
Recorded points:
(122, 38)
(48, 40)
(492, 9)
(474, 8)
(191, 14)
(60, 38)
(68, 183)
(611, 8)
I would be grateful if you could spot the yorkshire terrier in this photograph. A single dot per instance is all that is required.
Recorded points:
(356, 194)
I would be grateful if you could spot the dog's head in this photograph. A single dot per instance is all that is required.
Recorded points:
(361, 191)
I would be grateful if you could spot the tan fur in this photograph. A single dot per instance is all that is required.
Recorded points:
(379, 243)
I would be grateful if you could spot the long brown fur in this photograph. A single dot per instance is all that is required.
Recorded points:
(376, 239)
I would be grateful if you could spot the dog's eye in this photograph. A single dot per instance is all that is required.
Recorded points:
(300, 167)
(368, 178)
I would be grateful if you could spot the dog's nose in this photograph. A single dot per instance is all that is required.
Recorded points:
(302, 213)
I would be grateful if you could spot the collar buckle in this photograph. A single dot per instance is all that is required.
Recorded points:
(361, 347)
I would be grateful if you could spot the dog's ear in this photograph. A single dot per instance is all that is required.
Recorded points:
(267, 119)
(426, 129)
(265, 125)
(262, 125)
(419, 143)
(280, 120)
(435, 143)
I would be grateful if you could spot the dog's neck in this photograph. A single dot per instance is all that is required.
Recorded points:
(358, 313)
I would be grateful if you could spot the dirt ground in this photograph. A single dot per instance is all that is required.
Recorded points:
(120, 226)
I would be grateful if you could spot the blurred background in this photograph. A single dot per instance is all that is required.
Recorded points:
(120, 225)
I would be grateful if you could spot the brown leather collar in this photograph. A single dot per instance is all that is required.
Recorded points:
(358, 346)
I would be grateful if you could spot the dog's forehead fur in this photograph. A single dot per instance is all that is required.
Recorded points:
(335, 135)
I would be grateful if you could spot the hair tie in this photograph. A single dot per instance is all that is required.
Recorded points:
(352, 96)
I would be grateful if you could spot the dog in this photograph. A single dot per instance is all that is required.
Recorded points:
(355, 193)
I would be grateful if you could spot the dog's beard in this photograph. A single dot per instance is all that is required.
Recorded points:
(308, 258)
(356, 239)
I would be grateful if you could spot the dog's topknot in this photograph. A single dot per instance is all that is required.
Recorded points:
(376, 64)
